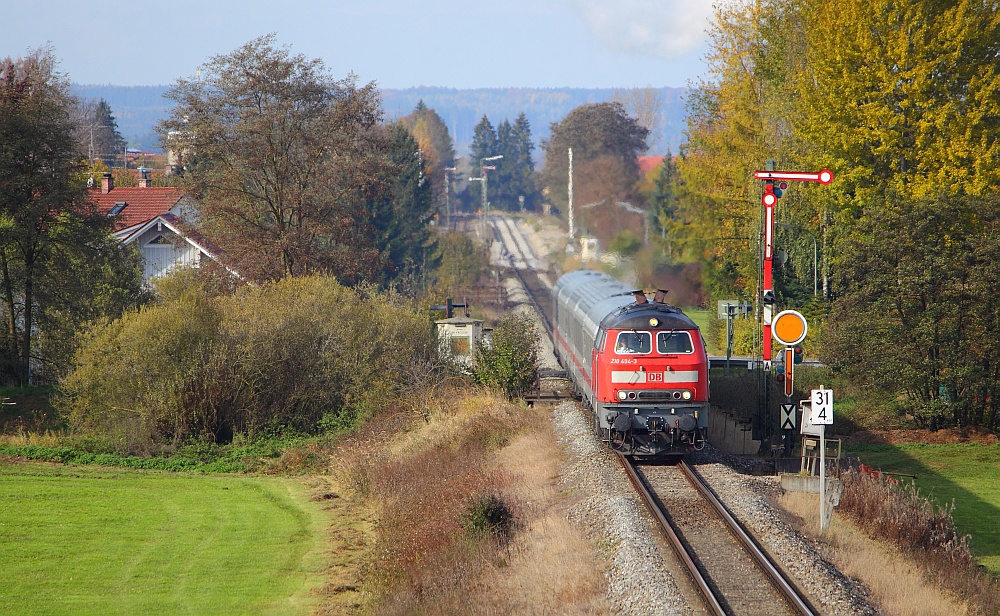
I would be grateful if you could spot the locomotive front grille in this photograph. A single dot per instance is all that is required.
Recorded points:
(658, 395)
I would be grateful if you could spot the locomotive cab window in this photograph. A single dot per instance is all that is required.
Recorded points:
(674, 343)
(633, 343)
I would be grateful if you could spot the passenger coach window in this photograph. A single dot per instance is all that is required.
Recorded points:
(671, 343)
(633, 343)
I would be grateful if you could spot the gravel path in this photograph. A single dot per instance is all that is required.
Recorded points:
(639, 579)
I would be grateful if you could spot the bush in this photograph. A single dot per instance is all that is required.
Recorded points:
(898, 513)
(508, 363)
(625, 243)
(489, 516)
(297, 354)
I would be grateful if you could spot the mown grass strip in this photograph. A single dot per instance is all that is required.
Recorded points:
(86, 541)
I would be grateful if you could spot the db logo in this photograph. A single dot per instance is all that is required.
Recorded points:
(654, 377)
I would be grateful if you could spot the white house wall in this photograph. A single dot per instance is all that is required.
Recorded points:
(161, 258)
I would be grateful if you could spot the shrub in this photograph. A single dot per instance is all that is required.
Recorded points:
(489, 516)
(300, 353)
(508, 363)
(625, 243)
(900, 515)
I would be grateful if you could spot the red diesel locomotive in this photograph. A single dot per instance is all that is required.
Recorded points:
(640, 365)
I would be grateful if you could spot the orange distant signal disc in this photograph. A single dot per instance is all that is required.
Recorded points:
(789, 327)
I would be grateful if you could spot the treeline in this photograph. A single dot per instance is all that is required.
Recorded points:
(139, 108)
(313, 317)
(902, 102)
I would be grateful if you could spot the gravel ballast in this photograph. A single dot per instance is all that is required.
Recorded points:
(640, 581)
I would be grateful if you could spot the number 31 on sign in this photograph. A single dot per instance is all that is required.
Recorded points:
(822, 407)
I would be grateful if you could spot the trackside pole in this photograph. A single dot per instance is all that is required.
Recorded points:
(769, 199)
(822, 481)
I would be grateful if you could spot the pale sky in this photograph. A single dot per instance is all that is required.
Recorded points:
(396, 43)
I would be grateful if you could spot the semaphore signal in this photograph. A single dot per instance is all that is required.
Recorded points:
(769, 199)
(823, 177)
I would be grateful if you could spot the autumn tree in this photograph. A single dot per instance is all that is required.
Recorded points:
(902, 96)
(59, 265)
(436, 145)
(601, 135)
(646, 106)
(283, 160)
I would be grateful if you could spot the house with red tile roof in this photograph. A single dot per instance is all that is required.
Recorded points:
(150, 217)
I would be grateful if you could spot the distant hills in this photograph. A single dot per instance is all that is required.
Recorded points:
(137, 109)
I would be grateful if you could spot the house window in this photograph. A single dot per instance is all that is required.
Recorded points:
(119, 206)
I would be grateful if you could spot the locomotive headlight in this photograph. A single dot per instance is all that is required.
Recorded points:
(622, 395)
(686, 394)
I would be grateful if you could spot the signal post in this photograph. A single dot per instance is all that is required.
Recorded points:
(775, 183)
(769, 199)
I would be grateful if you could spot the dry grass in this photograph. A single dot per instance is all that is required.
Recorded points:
(896, 583)
(426, 472)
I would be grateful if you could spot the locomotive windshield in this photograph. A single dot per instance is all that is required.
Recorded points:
(674, 343)
(633, 343)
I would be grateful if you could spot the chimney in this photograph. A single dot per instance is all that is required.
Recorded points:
(107, 184)
(144, 180)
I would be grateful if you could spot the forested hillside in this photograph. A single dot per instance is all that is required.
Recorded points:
(138, 108)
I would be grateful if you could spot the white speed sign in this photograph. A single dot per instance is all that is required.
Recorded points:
(822, 407)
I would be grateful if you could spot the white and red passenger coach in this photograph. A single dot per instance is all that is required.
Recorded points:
(639, 364)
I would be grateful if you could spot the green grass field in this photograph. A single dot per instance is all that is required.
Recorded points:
(78, 540)
(966, 473)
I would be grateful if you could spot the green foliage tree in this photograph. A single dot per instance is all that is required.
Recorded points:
(917, 315)
(400, 218)
(663, 201)
(515, 174)
(509, 362)
(107, 141)
(303, 353)
(461, 262)
(521, 155)
(283, 161)
(485, 144)
(58, 264)
(601, 135)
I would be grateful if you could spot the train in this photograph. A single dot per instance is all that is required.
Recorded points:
(639, 364)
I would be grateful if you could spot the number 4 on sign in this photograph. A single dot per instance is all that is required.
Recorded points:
(822, 407)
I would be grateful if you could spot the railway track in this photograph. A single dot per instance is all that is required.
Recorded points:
(526, 266)
(734, 575)
(726, 564)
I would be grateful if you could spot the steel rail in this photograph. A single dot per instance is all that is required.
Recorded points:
(524, 283)
(671, 536)
(781, 582)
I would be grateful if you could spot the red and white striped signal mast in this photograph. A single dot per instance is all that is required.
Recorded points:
(775, 182)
